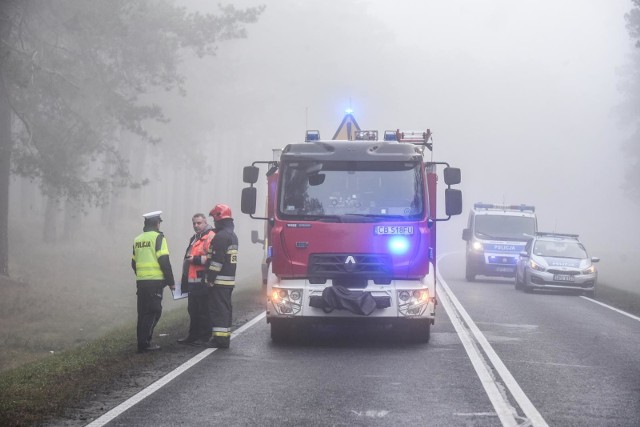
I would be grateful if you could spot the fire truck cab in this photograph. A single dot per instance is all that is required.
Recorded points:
(351, 230)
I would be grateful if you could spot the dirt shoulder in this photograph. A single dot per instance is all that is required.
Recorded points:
(144, 369)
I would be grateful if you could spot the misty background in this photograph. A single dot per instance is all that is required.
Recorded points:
(531, 99)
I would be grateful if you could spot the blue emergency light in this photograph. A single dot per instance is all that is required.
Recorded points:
(398, 245)
(312, 135)
(390, 135)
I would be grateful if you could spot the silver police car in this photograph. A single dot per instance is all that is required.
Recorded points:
(556, 261)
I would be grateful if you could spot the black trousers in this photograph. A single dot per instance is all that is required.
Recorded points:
(198, 308)
(149, 312)
(221, 313)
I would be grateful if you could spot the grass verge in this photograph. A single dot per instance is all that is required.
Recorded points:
(39, 391)
(619, 298)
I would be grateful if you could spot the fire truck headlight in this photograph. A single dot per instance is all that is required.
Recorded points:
(477, 246)
(398, 245)
(287, 301)
(413, 303)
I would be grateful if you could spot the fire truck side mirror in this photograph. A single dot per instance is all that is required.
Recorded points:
(248, 200)
(452, 176)
(250, 174)
(453, 201)
(466, 234)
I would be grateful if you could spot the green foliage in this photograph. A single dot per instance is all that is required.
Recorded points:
(77, 73)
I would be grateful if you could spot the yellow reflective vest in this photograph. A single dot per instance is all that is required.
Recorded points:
(147, 248)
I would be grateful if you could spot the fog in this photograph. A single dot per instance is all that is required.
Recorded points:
(520, 95)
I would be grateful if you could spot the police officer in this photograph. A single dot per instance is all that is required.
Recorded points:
(151, 264)
(193, 272)
(221, 275)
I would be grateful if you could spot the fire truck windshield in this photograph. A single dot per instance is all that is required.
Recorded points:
(361, 191)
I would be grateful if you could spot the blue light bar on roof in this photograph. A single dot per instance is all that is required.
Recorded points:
(312, 135)
(521, 208)
(390, 135)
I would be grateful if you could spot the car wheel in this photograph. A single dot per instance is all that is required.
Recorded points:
(527, 288)
(518, 282)
(470, 275)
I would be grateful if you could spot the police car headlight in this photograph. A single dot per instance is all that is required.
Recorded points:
(477, 246)
(590, 270)
(536, 266)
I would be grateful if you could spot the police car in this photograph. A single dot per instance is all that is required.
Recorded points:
(495, 235)
(556, 261)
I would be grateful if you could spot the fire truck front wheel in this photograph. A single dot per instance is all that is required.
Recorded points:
(418, 330)
(281, 330)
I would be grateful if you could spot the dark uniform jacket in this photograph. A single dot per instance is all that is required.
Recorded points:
(223, 255)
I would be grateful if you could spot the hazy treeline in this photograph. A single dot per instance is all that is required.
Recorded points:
(82, 86)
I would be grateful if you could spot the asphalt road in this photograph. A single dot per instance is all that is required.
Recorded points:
(497, 357)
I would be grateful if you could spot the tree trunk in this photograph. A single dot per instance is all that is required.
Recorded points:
(50, 231)
(5, 174)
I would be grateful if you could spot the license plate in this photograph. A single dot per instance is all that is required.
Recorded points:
(563, 278)
(504, 269)
(393, 229)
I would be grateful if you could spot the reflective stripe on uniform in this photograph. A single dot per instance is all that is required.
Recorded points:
(224, 282)
(221, 332)
(215, 266)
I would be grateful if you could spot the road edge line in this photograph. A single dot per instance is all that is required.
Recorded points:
(521, 398)
(157, 385)
(610, 307)
(502, 407)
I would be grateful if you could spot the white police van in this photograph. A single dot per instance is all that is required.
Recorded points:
(495, 236)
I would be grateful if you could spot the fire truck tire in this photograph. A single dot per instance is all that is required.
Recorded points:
(419, 331)
(469, 273)
(280, 331)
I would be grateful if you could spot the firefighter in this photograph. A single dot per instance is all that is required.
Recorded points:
(193, 271)
(221, 275)
(150, 262)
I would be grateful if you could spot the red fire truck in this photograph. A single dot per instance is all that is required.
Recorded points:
(351, 230)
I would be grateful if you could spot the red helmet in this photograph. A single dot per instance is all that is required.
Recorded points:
(220, 212)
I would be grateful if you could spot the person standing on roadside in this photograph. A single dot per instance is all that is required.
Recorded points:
(221, 275)
(150, 263)
(193, 272)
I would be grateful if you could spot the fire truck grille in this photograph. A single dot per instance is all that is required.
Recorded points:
(331, 266)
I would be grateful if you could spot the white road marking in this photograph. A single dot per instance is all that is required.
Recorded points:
(143, 394)
(612, 308)
(371, 413)
(502, 407)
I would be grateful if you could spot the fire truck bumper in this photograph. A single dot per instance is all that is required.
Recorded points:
(410, 299)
